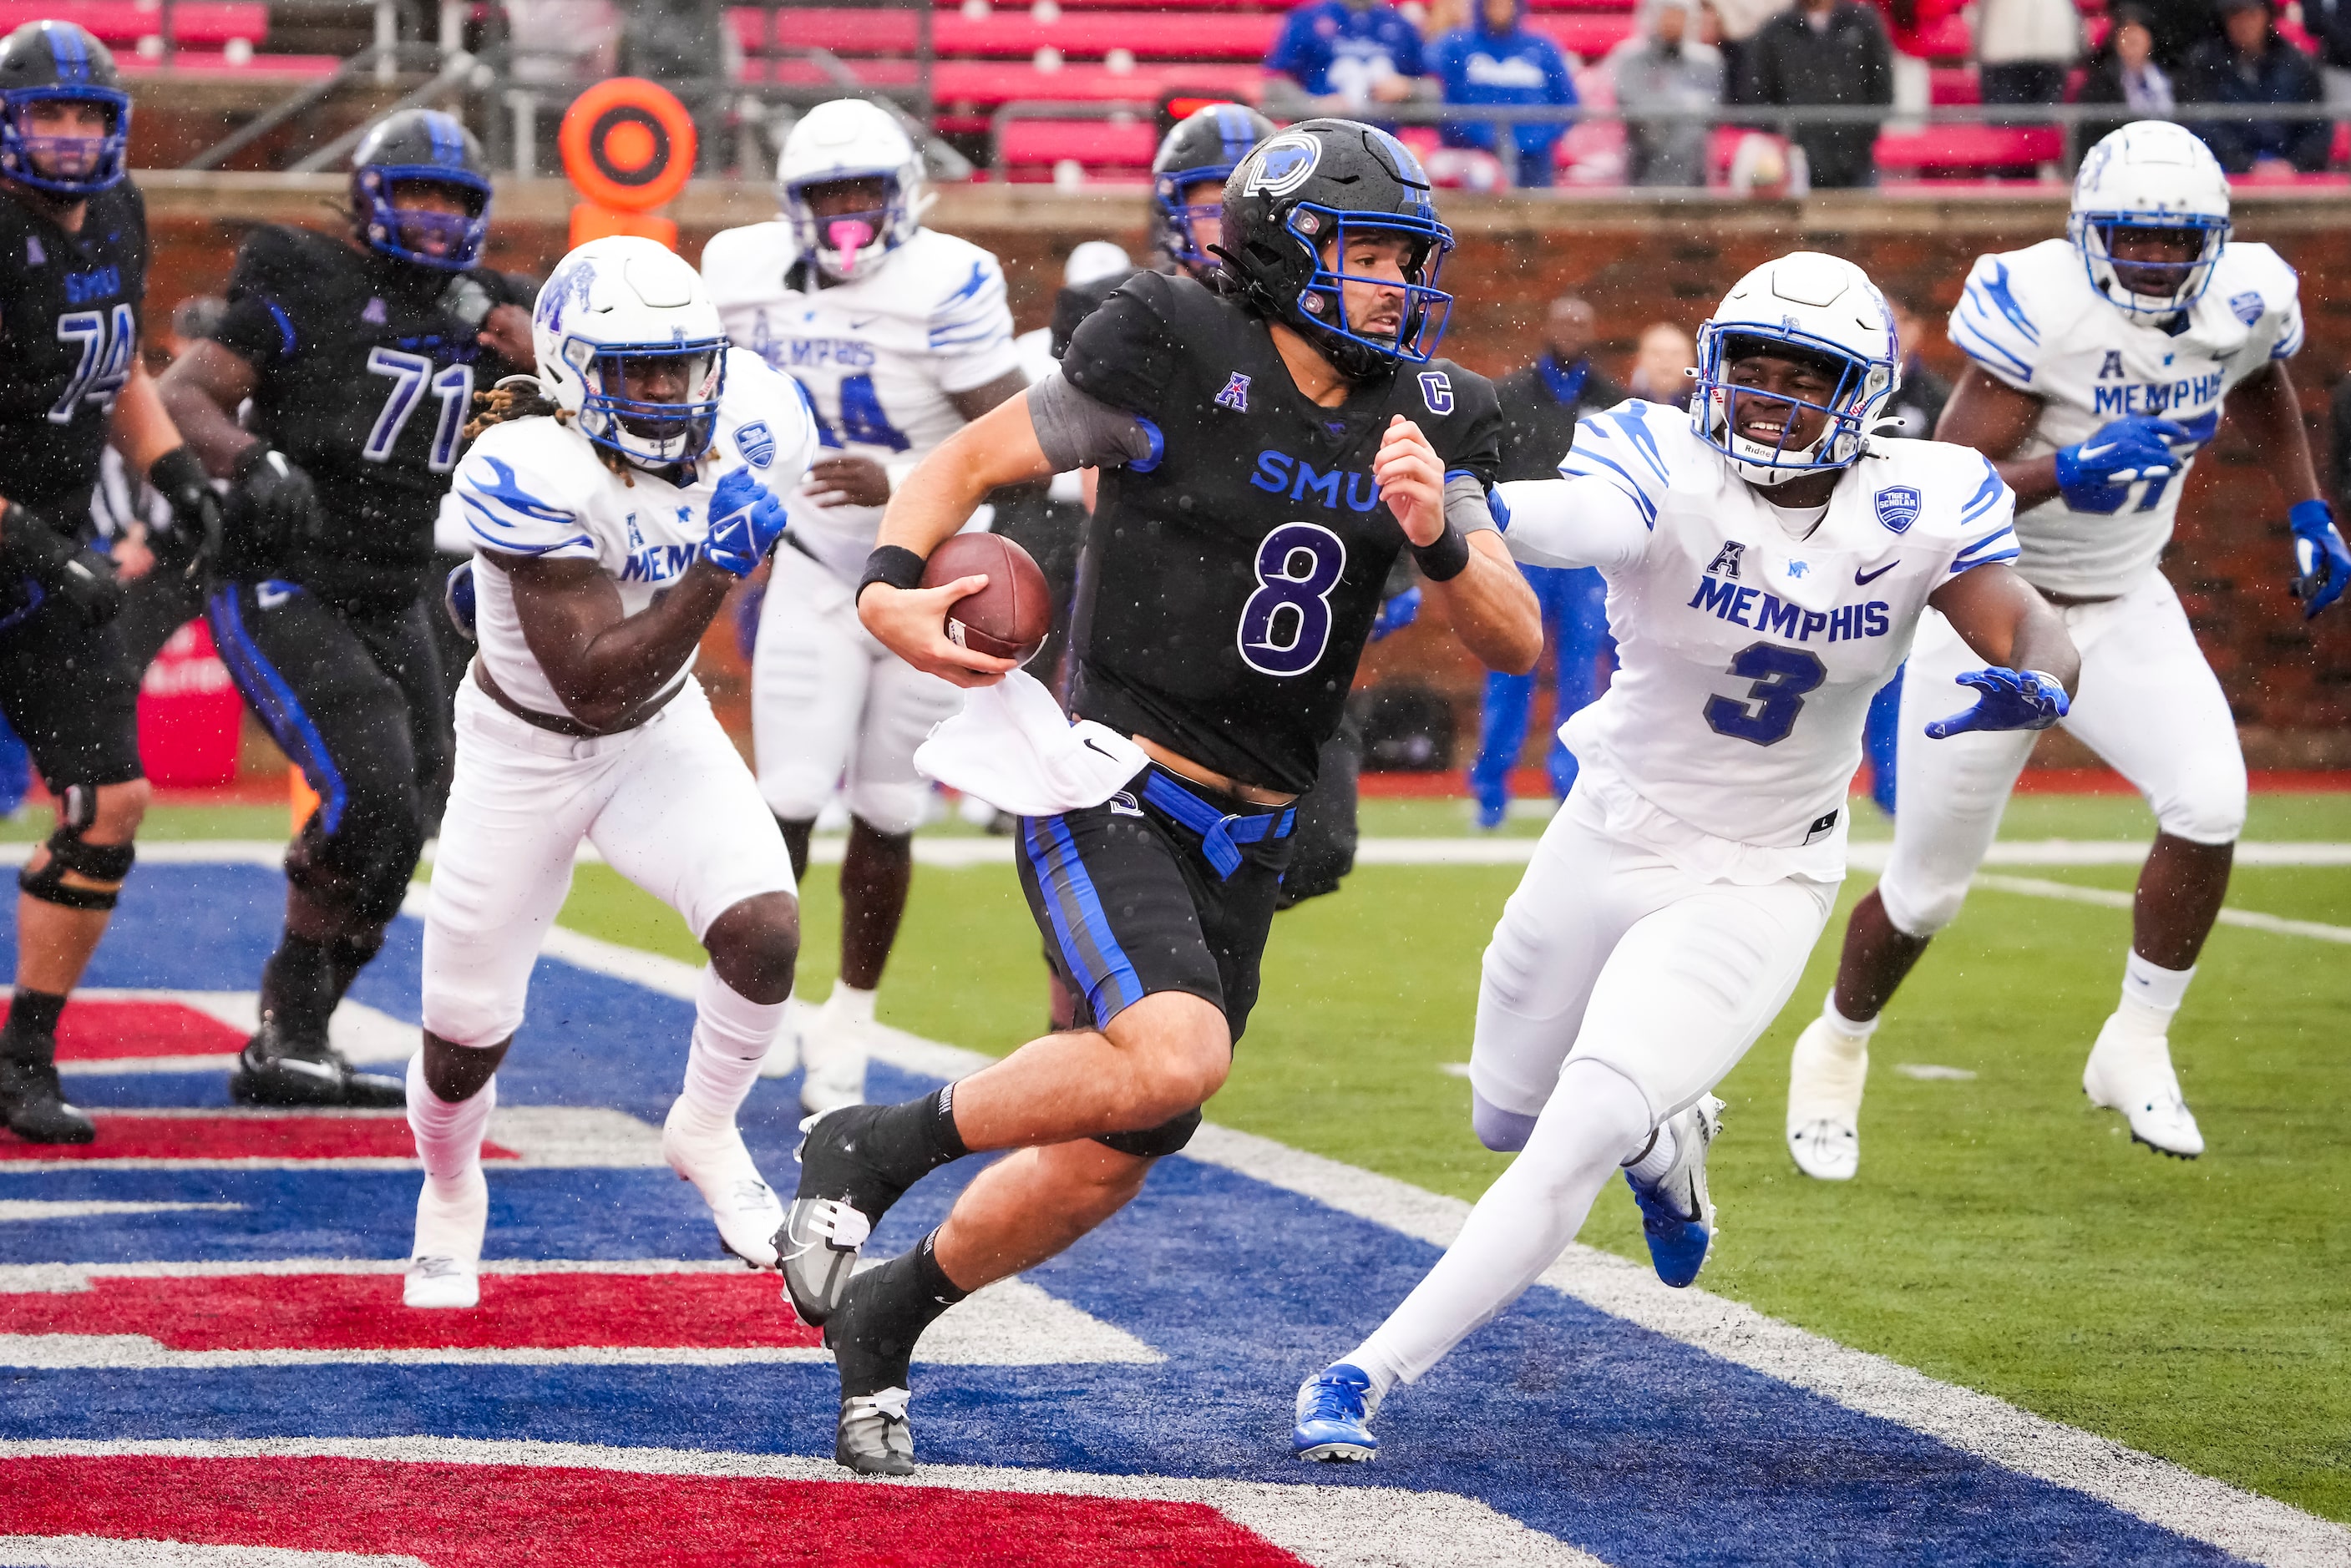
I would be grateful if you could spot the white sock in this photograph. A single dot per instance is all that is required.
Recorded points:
(1839, 1024)
(731, 1036)
(448, 1132)
(848, 1004)
(1520, 1227)
(1656, 1160)
(2152, 995)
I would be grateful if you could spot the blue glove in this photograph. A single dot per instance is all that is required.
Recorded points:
(2322, 564)
(746, 519)
(1397, 613)
(2093, 475)
(2010, 700)
(457, 599)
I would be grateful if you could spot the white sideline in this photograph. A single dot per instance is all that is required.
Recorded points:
(110, 1551)
(2116, 898)
(1354, 1526)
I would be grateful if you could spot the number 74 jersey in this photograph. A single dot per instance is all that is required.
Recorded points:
(1750, 640)
(879, 357)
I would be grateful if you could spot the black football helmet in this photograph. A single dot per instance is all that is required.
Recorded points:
(1320, 183)
(1204, 145)
(48, 62)
(426, 147)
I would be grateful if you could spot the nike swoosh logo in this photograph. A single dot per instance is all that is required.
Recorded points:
(1863, 579)
(2090, 451)
(1093, 745)
(861, 326)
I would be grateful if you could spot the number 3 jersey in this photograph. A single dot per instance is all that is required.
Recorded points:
(366, 379)
(2033, 319)
(539, 488)
(1750, 638)
(1230, 582)
(879, 355)
(70, 309)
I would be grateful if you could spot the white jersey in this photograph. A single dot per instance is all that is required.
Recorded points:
(1749, 641)
(879, 355)
(539, 487)
(2033, 319)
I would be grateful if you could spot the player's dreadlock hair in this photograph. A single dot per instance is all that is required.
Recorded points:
(514, 398)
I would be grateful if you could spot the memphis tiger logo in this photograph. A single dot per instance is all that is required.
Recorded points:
(1899, 506)
(756, 445)
(1282, 165)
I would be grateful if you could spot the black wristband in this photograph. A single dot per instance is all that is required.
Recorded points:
(1447, 559)
(177, 472)
(891, 564)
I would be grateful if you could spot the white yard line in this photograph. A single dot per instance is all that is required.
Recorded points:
(2116, 898)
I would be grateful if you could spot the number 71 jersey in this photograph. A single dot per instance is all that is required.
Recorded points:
(879, 357)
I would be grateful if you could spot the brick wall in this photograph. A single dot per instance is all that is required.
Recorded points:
(1637, 261)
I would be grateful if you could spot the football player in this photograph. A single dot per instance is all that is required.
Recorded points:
(1767, 561)
(73, 285)
(361, 354)
(1265, 455)
(899, 334)
(2099, 366)
(612, 507)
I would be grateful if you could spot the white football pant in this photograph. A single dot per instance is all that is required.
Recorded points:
(832, 708)
(2147, 703)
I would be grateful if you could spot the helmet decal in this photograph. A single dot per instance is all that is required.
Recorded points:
(1280, 166)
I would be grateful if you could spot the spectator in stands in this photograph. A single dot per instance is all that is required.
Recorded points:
(1915, 29)
(2329, 22)
(1342, 58)
(1499, 61)
(2252, 63)
(562, 42)
(1664, 67)
(1661, 365)
(2025, 47)
(1831, 52)
(2179, 25)
(1918, 404)
(1736, 23)
(2123, 71)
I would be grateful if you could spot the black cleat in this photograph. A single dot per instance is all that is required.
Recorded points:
(875, 1436)
(273, 1070)
(32, 1100)
(841, 1198)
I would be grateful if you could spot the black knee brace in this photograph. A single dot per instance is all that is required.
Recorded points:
(68, 852)
(1152, 1143)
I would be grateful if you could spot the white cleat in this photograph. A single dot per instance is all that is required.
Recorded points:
(783, 1058)
(744, 1208)
(833, 1059)
(2130, 1071)
(1825, 1076)
(446, 1270)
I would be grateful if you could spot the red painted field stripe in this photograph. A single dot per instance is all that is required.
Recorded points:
(362, 1312)
(1533, 783)
(127, 1134)
(496, 1516)
(106, 1031)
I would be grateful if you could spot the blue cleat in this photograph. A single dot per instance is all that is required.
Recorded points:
(1491, 813)
(1677, 1215)
(1332, 1408)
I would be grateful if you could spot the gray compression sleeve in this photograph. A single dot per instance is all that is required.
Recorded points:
(1465, 505)
(1075, 431)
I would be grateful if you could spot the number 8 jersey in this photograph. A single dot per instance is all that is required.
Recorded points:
(879, 357)
(71, 307)
(2033, 319)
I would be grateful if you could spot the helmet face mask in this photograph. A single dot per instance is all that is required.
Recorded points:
(849, 140)
(46, 65)
(2151, 179)
(1824, 322)
(659, 401)
(427, 148)
(1202, 148)
(629, 344)
(1415, 306)
(846, 240)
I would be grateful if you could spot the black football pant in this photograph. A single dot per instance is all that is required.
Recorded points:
(357, 701)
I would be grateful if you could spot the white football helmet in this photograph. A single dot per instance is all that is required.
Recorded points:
(623, 310)
(2150, 174)
(1813, 305)
(850, 139)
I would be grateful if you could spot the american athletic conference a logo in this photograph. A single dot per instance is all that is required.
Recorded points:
(1282, 165)
(1898, 507)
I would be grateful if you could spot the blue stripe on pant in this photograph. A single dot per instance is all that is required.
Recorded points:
(1097, 962)
(274, 703)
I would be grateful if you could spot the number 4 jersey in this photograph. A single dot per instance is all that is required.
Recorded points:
(2033, 319)
(881, 356)
(71, 307)
(1749, 637)
(367, 377)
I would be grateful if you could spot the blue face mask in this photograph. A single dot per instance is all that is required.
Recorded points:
(65, 165)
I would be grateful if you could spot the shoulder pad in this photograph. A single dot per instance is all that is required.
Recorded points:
(747, 264)
(774, 409)
(1963, 497)
(1632, 446)
(522, 486)
(275, 254)
(2012, 302)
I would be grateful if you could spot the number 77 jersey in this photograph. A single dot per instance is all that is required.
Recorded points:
(881, 356)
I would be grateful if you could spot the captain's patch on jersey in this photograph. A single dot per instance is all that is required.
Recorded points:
(755, 443)
(1899, 506)
(1436, 391)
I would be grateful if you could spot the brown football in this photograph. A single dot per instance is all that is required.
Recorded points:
(1011, 617)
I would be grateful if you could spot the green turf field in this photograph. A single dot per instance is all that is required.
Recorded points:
(2002, 1235)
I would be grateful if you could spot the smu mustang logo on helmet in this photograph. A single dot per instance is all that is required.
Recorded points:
(1281, 166)
(756, 445)
(1898, 507)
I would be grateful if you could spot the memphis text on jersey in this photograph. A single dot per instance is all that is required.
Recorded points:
(1743, 605)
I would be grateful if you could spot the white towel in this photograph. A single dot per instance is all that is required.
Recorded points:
(1014, 748)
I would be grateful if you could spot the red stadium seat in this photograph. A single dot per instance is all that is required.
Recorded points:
(1953, 85)
(186, 62)
(1015, 34)
(983, 85)
(116, 23)
(1943, 151)
(1588, 35)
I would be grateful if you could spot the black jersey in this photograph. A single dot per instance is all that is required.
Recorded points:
(70, 308)
(1229, 587)
(367, 378)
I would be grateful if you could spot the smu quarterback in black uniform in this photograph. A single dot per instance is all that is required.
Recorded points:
(361, 357)
(73, 280)
(1265, 456)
